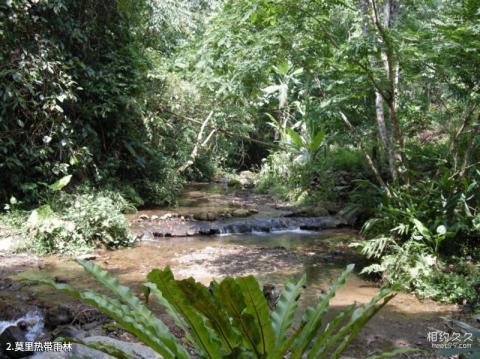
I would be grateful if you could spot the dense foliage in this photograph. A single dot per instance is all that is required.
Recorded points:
(374, 104)
(232, 319)
(82, 86)
(370, 103)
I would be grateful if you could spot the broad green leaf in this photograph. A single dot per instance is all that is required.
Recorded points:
(284, 313)
(330, 329)
(257, 307)
(297, 140)
(162, 342)
(157, 293)
(230, 295)
(271, 89)
(124, 294)
(61, 183)
(314, 320)
(359, 318)
(203, 301)
(317, 141)
(283, 68)
(424, 231)
(205, 338)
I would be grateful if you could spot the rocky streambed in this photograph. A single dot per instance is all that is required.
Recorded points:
(215, 231)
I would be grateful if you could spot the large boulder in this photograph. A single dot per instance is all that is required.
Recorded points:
(8, 338)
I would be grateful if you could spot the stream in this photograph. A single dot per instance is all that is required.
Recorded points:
(260, 238)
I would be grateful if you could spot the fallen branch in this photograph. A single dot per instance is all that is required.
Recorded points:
(198, 145)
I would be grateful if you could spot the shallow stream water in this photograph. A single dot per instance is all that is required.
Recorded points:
(272, 257)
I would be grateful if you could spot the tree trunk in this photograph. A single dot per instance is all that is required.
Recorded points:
(383, 133)
(379, 98)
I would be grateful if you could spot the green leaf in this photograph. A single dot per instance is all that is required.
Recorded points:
(357, 321)
(61, 183)
(203, 301)
(163, 343)
(424, 231)
(282, 68)
(330, 329)
(143, 314)
(316, 316)
(297, 140)
(230, 295)
(282, 317)
(101, 347)
(205, 338)
(317, 141)
(157, 293)
(257, 307)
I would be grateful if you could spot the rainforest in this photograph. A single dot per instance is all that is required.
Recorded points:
(240, 179)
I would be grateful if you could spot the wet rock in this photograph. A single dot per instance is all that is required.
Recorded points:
(8, 338)
(144, 217)
(248, 226)
(205, 216)
(196, 194)
(87, 257)
(271, 294)
(247, 174)
(166, 216)
(245, 179)
(154, 218)
(241, 212)
(316, 211)
(8, 311)
(331, 207)
(9, 244)
(78, 351)
(57, 316)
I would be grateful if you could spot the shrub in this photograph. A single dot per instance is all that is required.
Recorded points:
(315, 180)
(81, 222)
(230, 319)
(418, 230)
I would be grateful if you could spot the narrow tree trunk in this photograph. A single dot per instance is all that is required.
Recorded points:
(201, 142)
(383, 133)
(470, 147)
(379, 99)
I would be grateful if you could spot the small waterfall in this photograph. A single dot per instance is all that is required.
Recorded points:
(33, 322)
(246, 226)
